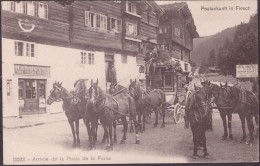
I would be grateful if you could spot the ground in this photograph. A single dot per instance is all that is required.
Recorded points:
(52, 143)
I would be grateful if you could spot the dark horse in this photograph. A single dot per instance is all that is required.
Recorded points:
(245, 103)
(145, 101)
(221, 99)
(72, 105)
(90, 114)
(198, 113)
(235, 100)
(116, 89)
(112, 108)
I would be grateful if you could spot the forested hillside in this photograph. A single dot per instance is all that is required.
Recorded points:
(225, 50)
(203, 46)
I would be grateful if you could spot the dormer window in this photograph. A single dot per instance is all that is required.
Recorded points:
(131, 7)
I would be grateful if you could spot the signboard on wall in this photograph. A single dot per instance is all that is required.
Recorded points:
(42, 103)
(246, 71)
(32, 70)
(21, 103)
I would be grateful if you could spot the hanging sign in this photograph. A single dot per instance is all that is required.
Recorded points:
(26, 25)
(246, 71)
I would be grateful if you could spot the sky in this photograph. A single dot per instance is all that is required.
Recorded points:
(210, 22)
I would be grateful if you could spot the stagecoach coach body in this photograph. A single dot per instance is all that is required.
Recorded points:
(172, 83)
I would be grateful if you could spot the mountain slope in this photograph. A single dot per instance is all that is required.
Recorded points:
(202, 46)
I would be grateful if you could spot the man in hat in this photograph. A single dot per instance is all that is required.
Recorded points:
(112, 75)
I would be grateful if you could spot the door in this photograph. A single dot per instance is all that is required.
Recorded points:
(168, 81)
(109, 61)
(32, 96)
(31, 104)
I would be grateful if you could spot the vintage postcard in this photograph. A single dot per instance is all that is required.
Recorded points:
(131, 81)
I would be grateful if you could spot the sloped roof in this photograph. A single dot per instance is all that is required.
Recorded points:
(172, 6)
(182, 7)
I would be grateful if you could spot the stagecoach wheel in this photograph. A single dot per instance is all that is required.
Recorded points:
(177, 113)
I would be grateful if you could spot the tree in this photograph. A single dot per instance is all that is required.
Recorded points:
(212, 58)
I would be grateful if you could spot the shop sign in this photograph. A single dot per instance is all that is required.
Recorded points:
(246, 71)
(32, 70)
(42, 103)
(21, 103)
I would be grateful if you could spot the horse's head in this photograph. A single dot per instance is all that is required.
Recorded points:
(135, 90)
(234, 93)
(55, 93)
(94, 92)
(80, 87)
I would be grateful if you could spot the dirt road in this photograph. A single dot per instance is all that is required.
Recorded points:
(172, 144)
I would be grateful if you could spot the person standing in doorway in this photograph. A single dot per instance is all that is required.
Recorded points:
(112, 75)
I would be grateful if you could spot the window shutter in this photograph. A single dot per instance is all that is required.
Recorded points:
(105, 22)
(46, 11)
(24, 4)
(127, 28)
(16, 48)
(126, 3)
(119, 25)
(135, 29)
(36, 9)
(108, 23)
(86, 18)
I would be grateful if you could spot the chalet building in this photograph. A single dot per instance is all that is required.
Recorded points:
(43, 42)
(175, 38)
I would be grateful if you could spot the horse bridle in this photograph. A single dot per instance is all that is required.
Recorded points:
(60, 98)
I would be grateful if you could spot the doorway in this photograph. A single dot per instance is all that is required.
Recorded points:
(109, 61)
(32, 96)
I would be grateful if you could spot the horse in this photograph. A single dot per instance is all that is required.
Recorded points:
(245, 103)
(234, 100)
(112, 108)
(72, 105)
(116, 89)
(198, 113)
(220, 97)
(145, 101)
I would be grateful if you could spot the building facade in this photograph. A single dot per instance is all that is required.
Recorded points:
(44, 42)
(175, 36)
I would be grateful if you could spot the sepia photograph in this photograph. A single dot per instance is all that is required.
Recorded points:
(129, 81)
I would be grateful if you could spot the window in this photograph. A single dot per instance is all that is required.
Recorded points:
(30, 89)
(21, 89)
(8, 5)
(117, 1)
(124, 58)
(160, 30)
(24, 49)
(186, 67)
(177, 32)
(115, 25)
(9, 87)
(43, 10)
(91, 58)
(131, 7)
(131, 30)
(19, 7)
(95, 20)
(31, 8)
(83, 58)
